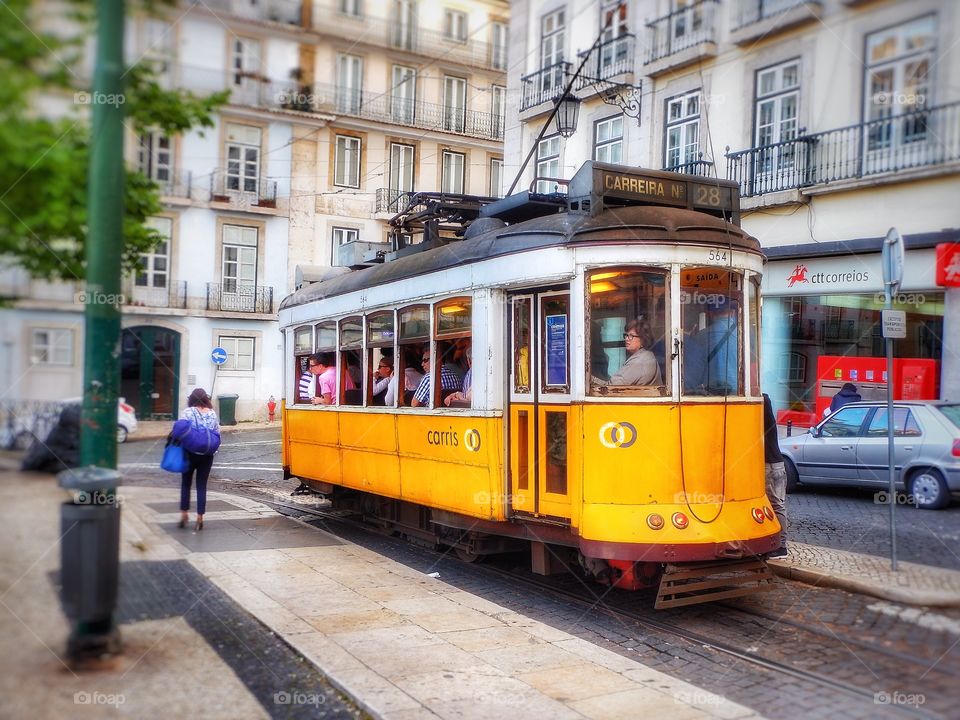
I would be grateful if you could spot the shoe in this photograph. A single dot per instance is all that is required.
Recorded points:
(183, 521)
(200, 525)
(778, 553)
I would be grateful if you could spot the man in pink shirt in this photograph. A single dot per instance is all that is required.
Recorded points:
(324, 366)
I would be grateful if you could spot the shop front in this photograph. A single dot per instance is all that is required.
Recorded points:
(822, 328)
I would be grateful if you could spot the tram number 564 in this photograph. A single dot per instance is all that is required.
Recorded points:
(717, 255)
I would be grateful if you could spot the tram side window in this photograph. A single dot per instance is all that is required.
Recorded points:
(628, 331)
(754, 288)
(302, 347)
(521, 344)
(382, 387)
(414, 344)
(326, 355)
(711, 305)
(351, 361)
(452, 385)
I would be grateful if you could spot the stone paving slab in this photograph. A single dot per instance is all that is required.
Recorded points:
(912, 584)
(407, 645)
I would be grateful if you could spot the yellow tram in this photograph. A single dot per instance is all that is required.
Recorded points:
(610, 340)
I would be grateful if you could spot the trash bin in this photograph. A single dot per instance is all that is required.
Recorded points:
(228, 409)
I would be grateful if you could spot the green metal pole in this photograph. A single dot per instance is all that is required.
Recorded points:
(101, 362)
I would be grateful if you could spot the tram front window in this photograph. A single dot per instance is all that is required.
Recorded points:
(628, 331)
(711, 304)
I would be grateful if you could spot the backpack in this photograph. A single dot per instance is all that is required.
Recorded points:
(195, 438)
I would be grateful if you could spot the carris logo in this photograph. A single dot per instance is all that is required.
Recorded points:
(799, 275)
(618, 435)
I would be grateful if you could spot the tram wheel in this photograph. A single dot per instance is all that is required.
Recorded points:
(467, 556)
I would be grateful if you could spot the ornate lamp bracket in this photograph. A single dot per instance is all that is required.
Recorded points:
(620, 95)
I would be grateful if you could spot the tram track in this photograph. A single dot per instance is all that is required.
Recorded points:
(624, 615)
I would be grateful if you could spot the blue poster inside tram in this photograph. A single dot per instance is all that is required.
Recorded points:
(556, 346)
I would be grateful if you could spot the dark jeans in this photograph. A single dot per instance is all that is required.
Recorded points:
(201, 464)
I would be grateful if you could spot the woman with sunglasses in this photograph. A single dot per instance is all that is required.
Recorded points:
(641, 367)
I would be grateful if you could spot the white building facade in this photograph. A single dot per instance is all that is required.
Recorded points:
(838, 118)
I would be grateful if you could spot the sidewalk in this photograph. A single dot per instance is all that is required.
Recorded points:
(400, 643)
(157, 429)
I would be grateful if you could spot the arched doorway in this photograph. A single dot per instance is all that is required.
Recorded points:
(150, 371)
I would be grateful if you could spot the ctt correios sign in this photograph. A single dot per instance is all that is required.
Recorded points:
(845, 274)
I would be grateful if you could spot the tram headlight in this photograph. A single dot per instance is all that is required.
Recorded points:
(679, 520)
(768, 512)
(758, 515)
(654, 521)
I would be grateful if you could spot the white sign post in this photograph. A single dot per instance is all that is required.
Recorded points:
(894, 326)
(219, 356)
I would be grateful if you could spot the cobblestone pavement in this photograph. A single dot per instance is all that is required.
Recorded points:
(848, 519)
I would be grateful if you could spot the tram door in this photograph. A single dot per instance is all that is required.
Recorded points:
(539, 402)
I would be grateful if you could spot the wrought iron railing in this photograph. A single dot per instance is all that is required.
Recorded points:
(611, 58)
(751, 11)
(683, 28)
(172, 296)
(233, 296)
(175, 183)
(227, 186)
(701, 168)
(545, 84)
(920, 138)
(392, 201)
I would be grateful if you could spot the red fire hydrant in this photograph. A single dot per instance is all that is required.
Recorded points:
(271, 408)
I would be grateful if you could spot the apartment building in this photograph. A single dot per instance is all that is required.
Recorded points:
(838, 118)
(416, 91)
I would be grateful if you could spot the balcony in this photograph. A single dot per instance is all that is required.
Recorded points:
(700, 168)
(756, 19)
(174, 296)
(546, 84)
(382, 107)
(174, 183)
(229, 187)
(286, 12)
(609, 60)
(914, 140)
(685, 36)
(231, 296)
(392, 201)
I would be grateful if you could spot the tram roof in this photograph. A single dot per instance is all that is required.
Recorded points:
(638, 224)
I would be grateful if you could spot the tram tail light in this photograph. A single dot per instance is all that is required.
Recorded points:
(768, 512)
(679, 520)
(655, 521)
(757, 515)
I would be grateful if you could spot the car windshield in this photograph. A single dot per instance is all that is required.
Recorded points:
(952, 412)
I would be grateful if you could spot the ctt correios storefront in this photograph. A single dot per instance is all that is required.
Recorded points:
(826, 299)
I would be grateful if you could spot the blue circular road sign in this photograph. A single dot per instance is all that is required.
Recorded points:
(219, 355)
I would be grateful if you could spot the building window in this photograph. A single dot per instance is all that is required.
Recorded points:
(403, 94)
(346, 168)
(401, 167)
(451, 180)
(777, 101)
(498, 107)
(496, 177)
(614, 55)
(239, 352)
(498, 45)
(155, 265)
(897, 86)
(548, 163)
(608, 140)
(239, 274)
(683, 130)
(244, 71)
(551, 50)
(51, 346)
(349, 91)
(354, 8)
(454, 104)
(455, 25)
(155, 157)
(243, 158)
(404, 32)
(792, 368)
(342, 236)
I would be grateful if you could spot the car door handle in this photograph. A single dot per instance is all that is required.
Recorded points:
(908, 447)
(846, 447)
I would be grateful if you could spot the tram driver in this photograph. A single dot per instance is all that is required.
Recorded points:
(641, 366)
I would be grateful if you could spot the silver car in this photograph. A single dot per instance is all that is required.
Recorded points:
(849, 448)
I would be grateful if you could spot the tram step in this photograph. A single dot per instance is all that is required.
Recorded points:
(693, 583)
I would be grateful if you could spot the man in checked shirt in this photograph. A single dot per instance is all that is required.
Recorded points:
(449, 380)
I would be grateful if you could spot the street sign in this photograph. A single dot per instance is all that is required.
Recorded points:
(219, 355)
(892, 261)
(894, 324)
(948, 264)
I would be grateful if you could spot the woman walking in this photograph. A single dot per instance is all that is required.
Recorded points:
(199, 412)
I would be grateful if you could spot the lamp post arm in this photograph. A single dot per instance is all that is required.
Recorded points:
(556, 105)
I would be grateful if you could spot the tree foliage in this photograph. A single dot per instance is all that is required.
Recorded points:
(45, 150)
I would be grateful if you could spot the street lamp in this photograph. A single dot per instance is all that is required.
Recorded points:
(568, 110)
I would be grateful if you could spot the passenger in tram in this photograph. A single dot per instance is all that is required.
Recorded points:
(449, 381)
(641, 366)
(324, 366)
(411, 373)
(306, 386)
(464, 396)
(382, 380)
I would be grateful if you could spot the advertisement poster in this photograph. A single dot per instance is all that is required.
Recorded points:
(556, 350)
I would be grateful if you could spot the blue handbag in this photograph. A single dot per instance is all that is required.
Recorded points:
(175, 458)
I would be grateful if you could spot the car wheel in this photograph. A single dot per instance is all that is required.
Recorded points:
(928, 489)
(121, 434)
(793, 477)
